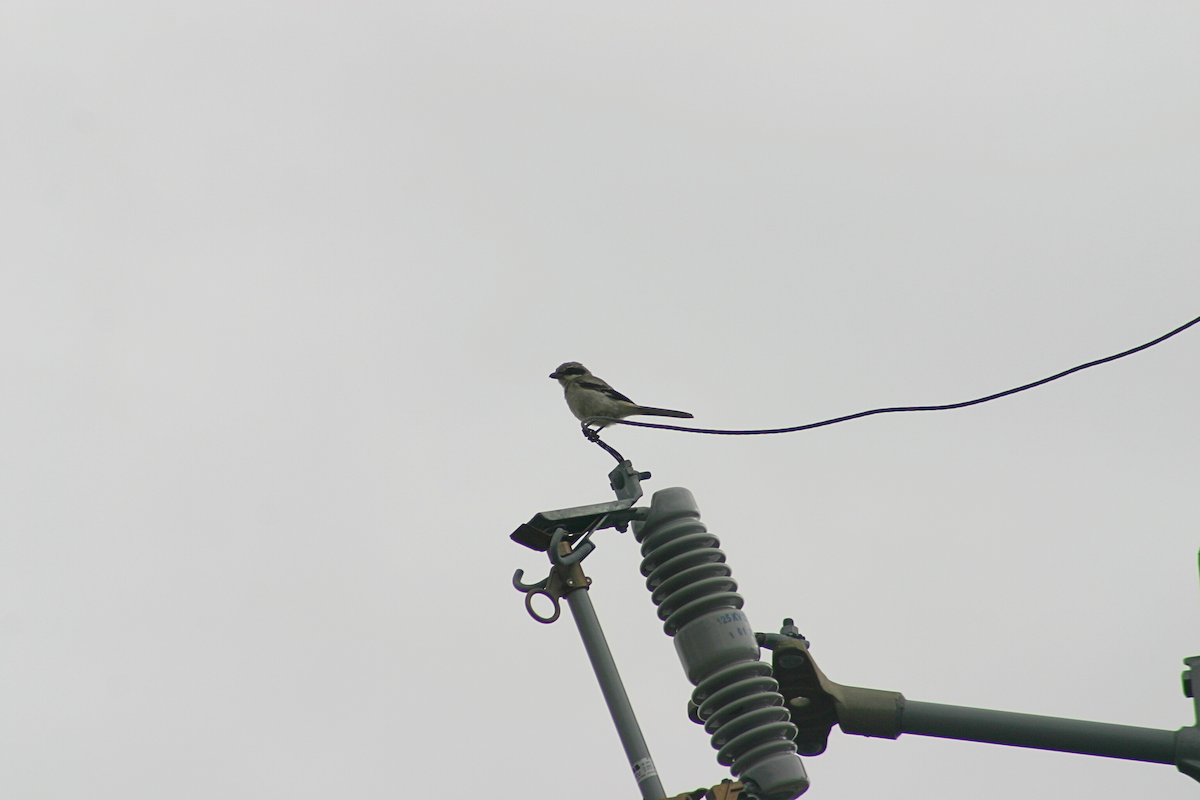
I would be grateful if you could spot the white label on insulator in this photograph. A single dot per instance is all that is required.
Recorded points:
(644, 769)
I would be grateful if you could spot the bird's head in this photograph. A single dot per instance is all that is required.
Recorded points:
(569, 371)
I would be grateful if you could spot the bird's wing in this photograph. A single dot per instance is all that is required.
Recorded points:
(597, 385)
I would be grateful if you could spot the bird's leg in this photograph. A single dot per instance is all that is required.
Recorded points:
(589, 433)
(593, 435)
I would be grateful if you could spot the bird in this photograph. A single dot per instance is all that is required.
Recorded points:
(589, 396)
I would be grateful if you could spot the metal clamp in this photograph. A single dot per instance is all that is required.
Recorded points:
(580, 522)
(565, 576)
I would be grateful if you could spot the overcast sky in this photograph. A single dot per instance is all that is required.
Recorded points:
(281, 284)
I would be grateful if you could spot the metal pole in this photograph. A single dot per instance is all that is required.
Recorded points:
(1043, 733)
(614, 694)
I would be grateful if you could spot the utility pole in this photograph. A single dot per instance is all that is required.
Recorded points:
(763, 716)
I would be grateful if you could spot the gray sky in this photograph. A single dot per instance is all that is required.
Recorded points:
(280, 285)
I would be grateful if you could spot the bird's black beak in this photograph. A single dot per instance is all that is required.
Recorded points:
(553, 374)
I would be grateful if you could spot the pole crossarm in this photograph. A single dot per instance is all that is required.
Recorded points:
(817, 704)
(1042, 733)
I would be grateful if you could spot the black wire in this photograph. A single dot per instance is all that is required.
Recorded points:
(594, 437)
(848, 417)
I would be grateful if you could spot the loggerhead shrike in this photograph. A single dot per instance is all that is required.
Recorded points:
(589, 396)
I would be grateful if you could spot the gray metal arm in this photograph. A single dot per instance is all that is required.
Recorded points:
(817, 703)
(1042, 733)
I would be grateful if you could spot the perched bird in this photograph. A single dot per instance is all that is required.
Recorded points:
(589, 396)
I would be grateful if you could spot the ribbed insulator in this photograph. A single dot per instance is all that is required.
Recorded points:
(685, 572)
(742, 708)
(738, 699)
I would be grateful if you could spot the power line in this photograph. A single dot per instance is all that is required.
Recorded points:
(899, 409)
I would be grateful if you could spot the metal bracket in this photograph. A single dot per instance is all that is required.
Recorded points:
(627, 481)
(725, 790)
(582, 521)
(565, 577)
(817, 703)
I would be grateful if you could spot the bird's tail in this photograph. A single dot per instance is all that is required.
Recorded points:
(662, 412)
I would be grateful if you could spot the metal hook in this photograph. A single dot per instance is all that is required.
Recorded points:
(527, 587)
(581, 551)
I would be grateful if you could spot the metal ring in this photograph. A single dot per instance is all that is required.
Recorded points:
(534, 614)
